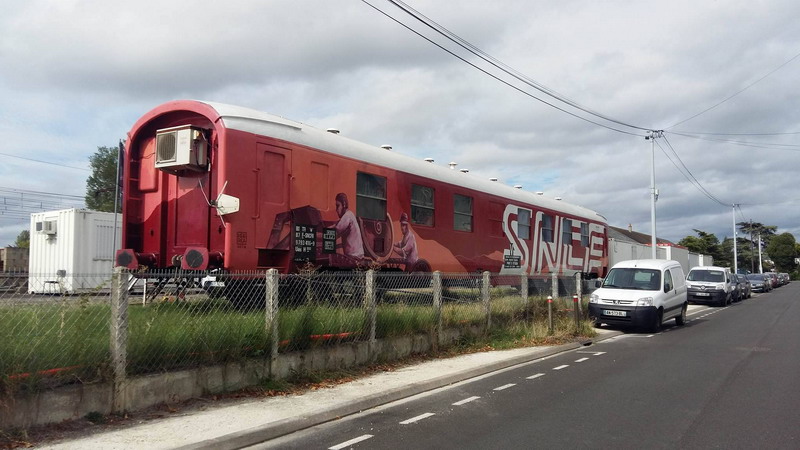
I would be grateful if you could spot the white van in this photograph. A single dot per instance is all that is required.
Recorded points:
(710, 284)
(642, 293)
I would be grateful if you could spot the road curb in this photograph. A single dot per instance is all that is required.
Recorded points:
(286, 426)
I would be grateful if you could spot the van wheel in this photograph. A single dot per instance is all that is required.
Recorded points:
(723, 301)
(655, 326)
(680, 320)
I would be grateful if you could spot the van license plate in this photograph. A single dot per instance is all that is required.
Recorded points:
(608, 312)
(702, 294)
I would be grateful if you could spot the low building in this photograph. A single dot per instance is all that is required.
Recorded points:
(72, 250)
(625, 244)
(13, 259)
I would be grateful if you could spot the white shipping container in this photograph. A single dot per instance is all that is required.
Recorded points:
(71, 250)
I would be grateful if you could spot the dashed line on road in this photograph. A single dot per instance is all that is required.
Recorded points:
(535, 376)
(505, 386)
(350, 442)
(417, 418)
(581, 360)
(561, 367)
(466, 400)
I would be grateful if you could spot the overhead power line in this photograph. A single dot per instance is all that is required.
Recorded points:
(504, 68)
(46, 162)
(737, 93)
(688, 173)
(766, 145)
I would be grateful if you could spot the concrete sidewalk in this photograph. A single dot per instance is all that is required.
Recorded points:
(250, 421)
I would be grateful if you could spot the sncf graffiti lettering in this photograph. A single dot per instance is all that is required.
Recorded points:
(544, 242)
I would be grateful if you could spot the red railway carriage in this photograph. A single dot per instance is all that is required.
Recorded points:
(209, 185)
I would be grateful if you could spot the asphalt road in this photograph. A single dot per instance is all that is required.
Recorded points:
(728, 379)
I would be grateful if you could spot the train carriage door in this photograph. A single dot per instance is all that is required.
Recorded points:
(272, 208)
(189, 212)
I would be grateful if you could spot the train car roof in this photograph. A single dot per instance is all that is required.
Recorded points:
(257, 122)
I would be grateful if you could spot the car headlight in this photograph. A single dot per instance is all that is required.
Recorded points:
(594, 298)
(645, 301)
(720, 286)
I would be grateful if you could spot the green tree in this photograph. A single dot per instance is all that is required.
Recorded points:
(23, 239)
(707, 244)
(102, 183)
(782, 250)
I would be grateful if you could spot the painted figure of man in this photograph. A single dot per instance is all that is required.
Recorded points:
(407, 246)
(348, 229)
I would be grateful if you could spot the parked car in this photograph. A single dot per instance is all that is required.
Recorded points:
(759, 282)
(736, 288)
(709, 284)
(745, 286)
(773, 279)
(642, 293)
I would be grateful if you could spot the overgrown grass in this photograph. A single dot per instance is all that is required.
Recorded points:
(43, 345)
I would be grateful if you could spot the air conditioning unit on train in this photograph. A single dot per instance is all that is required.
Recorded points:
(181, 148)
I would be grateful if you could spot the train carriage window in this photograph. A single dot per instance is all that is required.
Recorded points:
(462, 212)
(585, 234)
(422, 205)
(370, 196)
(547, 228)
(566, 232)
(524, 223)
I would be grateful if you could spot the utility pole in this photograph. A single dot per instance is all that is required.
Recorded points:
(651, 136)
(735, 255)
(760, 264)
(752, 249)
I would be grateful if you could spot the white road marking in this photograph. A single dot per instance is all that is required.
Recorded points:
(350, 442)
(416, 419)
(581, 360)
(533, 377)
(561, 367)
(466, 400)
(505, 386)
(594, 353)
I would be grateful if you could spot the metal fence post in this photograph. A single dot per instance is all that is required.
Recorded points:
(372, 312)
(523, 290)
(271, 293)
(550, 313)
(554, 284)
(119, 336)
(576, 306)
(486, 302)
(437, 308)
(579, 292)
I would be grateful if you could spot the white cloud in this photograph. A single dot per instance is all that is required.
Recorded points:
(75, 75)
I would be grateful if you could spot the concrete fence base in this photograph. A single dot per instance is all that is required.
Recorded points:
(138, 393)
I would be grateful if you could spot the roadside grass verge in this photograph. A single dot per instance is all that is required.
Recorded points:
(44, 345)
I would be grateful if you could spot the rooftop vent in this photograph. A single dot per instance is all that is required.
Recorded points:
(386, 147)
(558, 198)
(333, 130)
(430, 160)
(517, 186)
(464, 170)
(493, 179)
(452, 165)
(539, 193)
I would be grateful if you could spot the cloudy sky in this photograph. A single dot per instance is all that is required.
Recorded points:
(76, 74)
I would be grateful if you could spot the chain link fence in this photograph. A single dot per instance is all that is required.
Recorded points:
(152, 322)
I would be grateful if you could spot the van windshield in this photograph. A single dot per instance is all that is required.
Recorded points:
(717, 276)
(633, 278)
